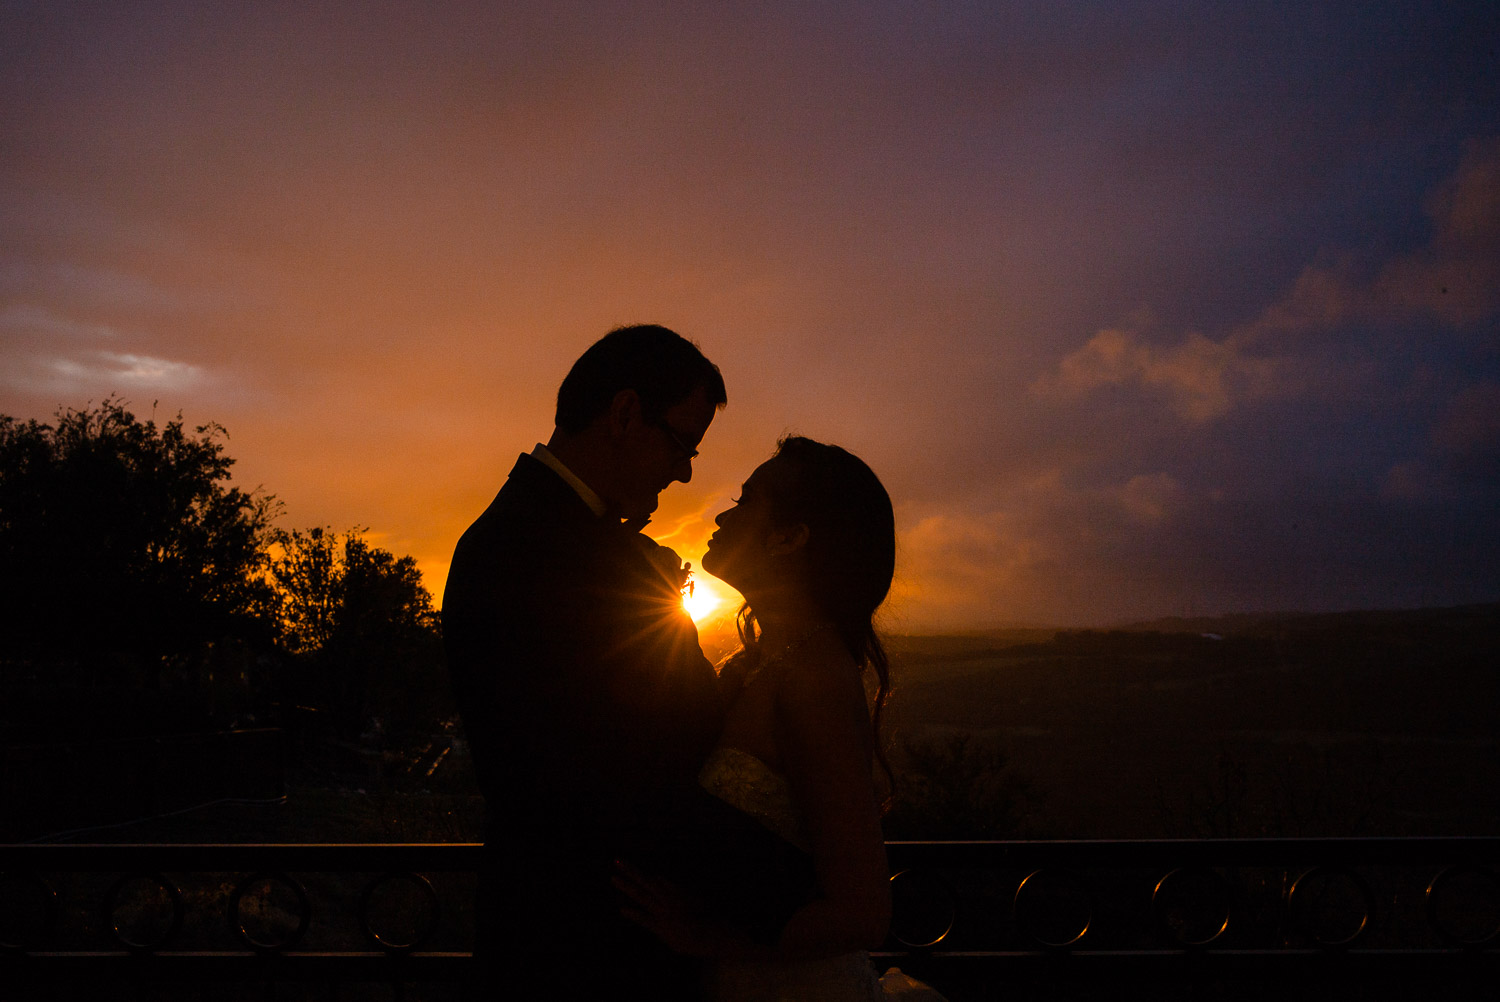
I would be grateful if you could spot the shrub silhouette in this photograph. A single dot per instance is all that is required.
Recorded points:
(958, 786)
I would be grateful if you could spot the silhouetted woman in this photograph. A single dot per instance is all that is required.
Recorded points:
(810, 543)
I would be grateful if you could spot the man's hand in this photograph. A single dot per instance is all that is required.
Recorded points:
(664, 910)
(666, 560)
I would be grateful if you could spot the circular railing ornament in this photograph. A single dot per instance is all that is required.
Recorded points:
(1193, 905)
(267, 912)
(923, 908)
(1054, 908)
(1333, 906)
(1463, 906)
(145, 931)
(28, 911)
(411, 897)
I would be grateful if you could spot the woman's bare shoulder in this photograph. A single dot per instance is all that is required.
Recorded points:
(820, 678)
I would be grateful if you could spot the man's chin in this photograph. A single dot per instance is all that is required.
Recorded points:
(639, 514)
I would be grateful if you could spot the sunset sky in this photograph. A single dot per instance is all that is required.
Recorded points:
(1138, 308)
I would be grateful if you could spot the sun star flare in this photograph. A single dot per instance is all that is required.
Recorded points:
(702, 600)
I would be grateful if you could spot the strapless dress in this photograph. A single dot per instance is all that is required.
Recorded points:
(745, 782)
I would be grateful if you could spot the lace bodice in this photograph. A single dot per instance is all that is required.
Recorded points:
(745, 782)
(748, 784)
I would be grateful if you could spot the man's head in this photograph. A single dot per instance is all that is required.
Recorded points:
(631, 412)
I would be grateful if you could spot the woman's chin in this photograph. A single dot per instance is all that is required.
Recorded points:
(713, 565)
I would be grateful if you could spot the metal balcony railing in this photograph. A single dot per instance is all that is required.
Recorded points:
(976, 919)
(1377, 912)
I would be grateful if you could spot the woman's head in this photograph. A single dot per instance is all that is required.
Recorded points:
(815, 520)
(813, 524)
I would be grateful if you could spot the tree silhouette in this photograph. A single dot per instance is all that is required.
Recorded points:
(333, 588)
(307, 573)
(360, 629)
(120, 540)
(141, 594)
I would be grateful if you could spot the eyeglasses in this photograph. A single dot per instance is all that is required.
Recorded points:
(688, 454)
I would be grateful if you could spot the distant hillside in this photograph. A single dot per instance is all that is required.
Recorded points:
(1463, 617)
(965, 644)
(1339, 723)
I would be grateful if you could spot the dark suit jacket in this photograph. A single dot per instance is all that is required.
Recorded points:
(589, 708)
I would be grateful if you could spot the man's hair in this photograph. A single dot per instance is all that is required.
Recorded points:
(660, 365)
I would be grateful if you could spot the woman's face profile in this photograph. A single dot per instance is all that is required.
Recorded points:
(737, 552)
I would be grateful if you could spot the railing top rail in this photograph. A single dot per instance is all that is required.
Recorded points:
(441, 856)
(437, 856)
(1222, 852)
(1259, 840)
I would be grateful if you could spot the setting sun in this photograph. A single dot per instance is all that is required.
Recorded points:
(702, 600)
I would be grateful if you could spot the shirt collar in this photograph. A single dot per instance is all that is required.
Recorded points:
(544, 455)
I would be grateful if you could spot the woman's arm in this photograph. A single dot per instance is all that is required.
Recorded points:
(823, 733)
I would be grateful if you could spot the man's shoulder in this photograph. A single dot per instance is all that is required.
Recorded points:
(531, 485)
(533, 504)
(527, 521)
(538, 527)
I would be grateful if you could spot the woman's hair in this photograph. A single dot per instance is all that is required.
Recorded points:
(850, 554)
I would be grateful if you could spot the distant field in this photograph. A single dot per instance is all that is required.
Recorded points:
(1369, 723)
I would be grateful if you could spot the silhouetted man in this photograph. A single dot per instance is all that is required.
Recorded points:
(586, 699)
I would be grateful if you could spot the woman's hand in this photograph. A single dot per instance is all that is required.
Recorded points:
(664, 910)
